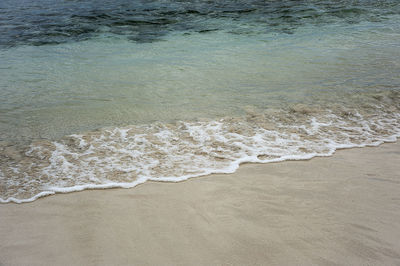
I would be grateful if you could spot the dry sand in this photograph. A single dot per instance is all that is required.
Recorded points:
(341, 210)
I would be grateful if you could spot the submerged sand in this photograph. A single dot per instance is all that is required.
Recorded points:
(339, 210)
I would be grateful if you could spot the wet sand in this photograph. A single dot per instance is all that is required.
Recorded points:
(339, 210)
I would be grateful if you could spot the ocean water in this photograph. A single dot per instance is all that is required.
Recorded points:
(101, 94)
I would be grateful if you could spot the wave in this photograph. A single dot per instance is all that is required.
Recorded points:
(127, 156)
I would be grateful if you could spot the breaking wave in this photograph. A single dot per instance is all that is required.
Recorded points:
(127, 156)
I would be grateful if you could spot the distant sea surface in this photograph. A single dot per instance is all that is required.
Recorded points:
(101, 94)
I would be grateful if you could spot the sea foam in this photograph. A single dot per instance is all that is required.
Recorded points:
(127, 156)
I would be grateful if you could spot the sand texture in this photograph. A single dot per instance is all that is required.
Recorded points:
(339, 210)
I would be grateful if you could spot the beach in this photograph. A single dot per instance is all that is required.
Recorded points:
(338, 210)
(199, 132)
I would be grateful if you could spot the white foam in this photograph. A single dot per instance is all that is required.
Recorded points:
(126, 157)
(35, 197)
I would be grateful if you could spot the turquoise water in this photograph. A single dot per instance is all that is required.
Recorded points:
(105, 95)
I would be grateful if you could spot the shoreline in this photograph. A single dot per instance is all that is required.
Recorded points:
(342, 209)
(140, 181)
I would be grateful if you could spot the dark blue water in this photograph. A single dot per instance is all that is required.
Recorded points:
(41, 22)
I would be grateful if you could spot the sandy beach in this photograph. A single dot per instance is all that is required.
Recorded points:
(199, 132)
(339, 210)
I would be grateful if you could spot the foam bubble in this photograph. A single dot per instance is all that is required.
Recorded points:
(127, 156)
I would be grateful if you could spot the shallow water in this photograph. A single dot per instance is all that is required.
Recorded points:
(117, 93)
